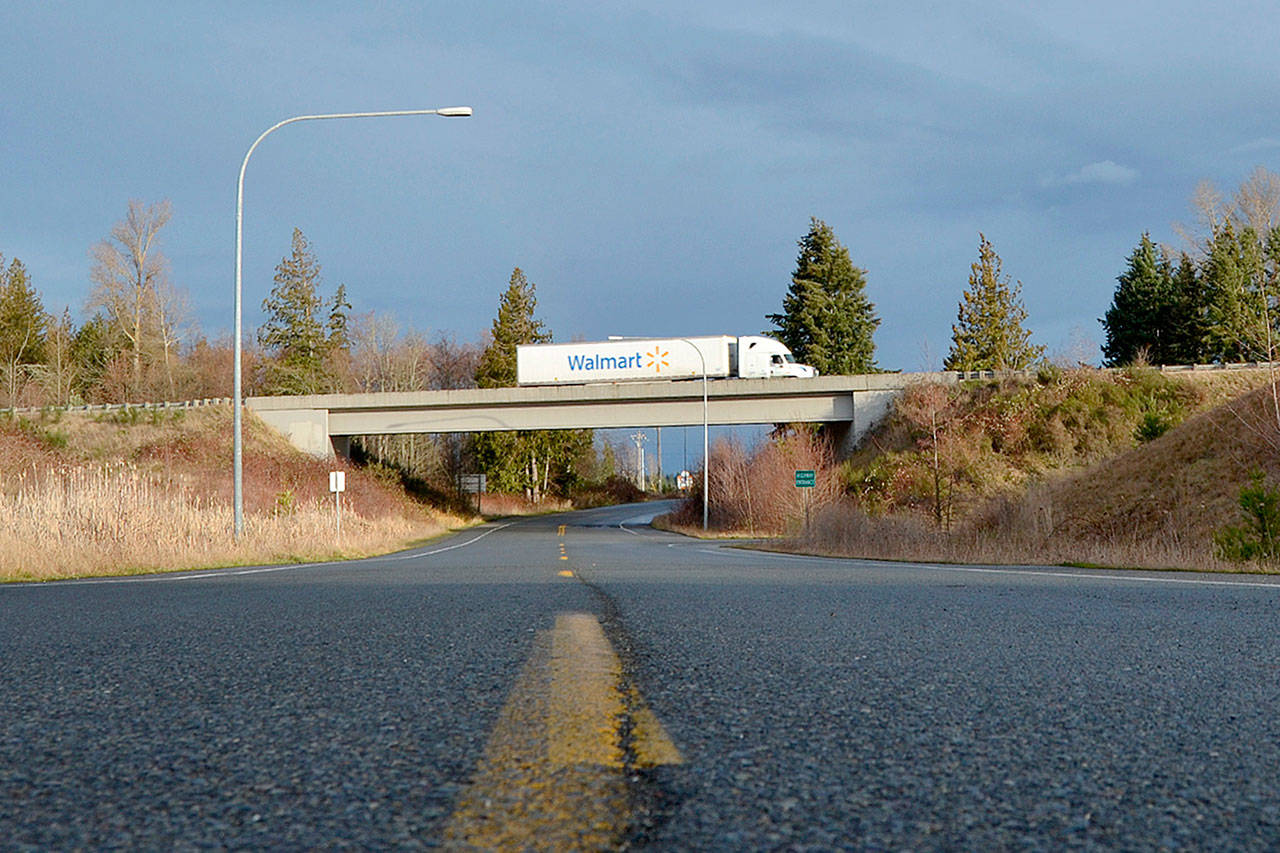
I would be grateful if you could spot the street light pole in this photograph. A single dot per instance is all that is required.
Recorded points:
(706, 459)
(238, 397)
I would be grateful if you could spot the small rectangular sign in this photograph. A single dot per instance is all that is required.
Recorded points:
(337, 481)
(473, 484)
(806, 479)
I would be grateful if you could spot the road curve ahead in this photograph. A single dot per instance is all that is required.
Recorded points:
(583, 682)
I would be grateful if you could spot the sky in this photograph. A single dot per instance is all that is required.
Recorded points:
(649, 165)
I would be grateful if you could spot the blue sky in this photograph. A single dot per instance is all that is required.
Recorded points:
(650, 166)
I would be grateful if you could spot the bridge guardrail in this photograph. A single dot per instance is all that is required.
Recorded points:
(119, 407)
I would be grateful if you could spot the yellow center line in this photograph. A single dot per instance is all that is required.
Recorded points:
(585, 710)
(555, 771)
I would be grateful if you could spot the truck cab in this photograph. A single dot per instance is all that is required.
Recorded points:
(759, 357)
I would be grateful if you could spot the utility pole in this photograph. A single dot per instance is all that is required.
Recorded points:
(640, 438)
(658, 462)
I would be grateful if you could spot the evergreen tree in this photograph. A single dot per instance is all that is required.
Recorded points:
(990, 334)
(1188, 320)
(514, 325)
(1233, 274)
(1142, 310)
(91, 349)
(827, 320)
(528, 461)
(23, 325)
(23, 321)
(338, 336)
(296, 335)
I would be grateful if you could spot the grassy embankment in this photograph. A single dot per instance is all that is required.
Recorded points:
(137, 491)
(1134, 468)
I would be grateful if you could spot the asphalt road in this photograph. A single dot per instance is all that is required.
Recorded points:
(815, 704)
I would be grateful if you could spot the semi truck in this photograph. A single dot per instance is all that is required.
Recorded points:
(634, 359)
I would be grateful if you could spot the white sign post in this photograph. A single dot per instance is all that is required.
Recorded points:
(338, 485)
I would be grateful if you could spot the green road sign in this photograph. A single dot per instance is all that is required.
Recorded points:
(806, 479)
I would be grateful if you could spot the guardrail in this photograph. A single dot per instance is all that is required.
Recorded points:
(120, 407)
(963, 375)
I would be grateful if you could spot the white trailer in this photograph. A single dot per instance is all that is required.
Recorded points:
(637, 359)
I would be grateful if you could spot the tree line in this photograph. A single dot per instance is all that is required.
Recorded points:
(140, 343)
(1215, 302)
(828, 321)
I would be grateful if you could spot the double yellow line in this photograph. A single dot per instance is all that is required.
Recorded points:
(554, 774)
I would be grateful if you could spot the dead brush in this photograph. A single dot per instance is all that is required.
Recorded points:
(500, 504)
(116, 519)
(754, 493)
(1008, 532)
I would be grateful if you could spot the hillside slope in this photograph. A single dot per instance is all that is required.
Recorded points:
(1169, 494)
(1131, 468)
(136, 490)
(997, 437)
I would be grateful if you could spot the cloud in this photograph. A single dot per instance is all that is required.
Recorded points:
(1257, 145)
(1103, 172)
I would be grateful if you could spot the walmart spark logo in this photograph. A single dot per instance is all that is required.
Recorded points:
(658, 359)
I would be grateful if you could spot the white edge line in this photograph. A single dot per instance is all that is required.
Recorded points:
(232, 572)
(1021, 572)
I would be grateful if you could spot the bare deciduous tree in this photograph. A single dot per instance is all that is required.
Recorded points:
(385, 358)
(1210, 215)
(1257, 201)
(59, 372)
(131, 285)
(926, 406)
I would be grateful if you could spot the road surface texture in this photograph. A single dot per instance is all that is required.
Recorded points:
(582, 681)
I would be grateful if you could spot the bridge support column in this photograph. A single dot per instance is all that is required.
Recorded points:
(842, 438)
(306, 429)
(869, 408)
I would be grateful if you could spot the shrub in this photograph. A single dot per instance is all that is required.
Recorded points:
(1259, 537)
(55, 439)
(1048, 373)
(614, 490)
(1153, 425)
(755, 492)
(286, 503)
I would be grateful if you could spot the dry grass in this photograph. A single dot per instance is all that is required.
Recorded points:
(677, 523)
(87, 496)
(118, 520)
(845, 531)
(1154, 506)
(499, 504)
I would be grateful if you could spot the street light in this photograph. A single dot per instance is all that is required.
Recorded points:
(238, 402)
(706, 459)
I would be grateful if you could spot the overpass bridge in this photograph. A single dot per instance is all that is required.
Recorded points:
(322, 424)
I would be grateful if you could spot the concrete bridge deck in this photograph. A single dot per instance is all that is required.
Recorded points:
(318, 424)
